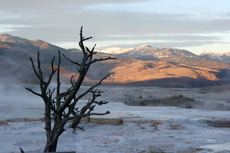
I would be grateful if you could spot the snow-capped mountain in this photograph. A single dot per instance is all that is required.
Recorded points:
(179, 56)
(116, 50)
(10, 39)
(147, 52)
(223, 57)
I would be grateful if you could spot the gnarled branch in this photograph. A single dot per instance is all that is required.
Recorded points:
(62, 107)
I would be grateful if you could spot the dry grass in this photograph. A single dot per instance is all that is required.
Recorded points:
(3, 123)
(176, 127)
(112, 121)
(33, 119)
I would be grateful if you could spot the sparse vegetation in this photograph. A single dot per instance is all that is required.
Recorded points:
(178, 101)
(218, 123)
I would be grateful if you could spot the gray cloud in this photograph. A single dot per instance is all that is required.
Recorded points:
(157, 37)
(60, 21)
(26, 5)
(171, 44)
(98, 23)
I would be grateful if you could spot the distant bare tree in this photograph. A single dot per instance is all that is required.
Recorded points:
(61, 107)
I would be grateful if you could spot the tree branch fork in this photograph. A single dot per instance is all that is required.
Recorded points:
(62, 106)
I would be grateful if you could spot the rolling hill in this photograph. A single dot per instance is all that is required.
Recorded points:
(143, 65)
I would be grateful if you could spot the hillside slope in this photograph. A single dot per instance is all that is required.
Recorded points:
(167, 67)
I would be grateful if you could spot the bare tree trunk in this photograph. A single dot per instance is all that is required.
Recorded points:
(52, 140)
(51, 144)
(53, 147)
(63, 106)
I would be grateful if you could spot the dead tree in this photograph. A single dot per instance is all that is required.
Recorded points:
(61, 107)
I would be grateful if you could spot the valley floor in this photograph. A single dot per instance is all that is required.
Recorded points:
(144, 129)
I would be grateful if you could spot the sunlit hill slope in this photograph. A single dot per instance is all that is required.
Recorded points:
(144, 65)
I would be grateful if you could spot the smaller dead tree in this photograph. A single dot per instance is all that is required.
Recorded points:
(61, 107)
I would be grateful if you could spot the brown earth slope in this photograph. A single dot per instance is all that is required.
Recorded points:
(136, 70)
(15, 53)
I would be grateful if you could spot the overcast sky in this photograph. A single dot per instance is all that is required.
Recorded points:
(195, 25)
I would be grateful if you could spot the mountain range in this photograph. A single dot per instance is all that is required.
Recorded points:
(147, 52)
(142, 65)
